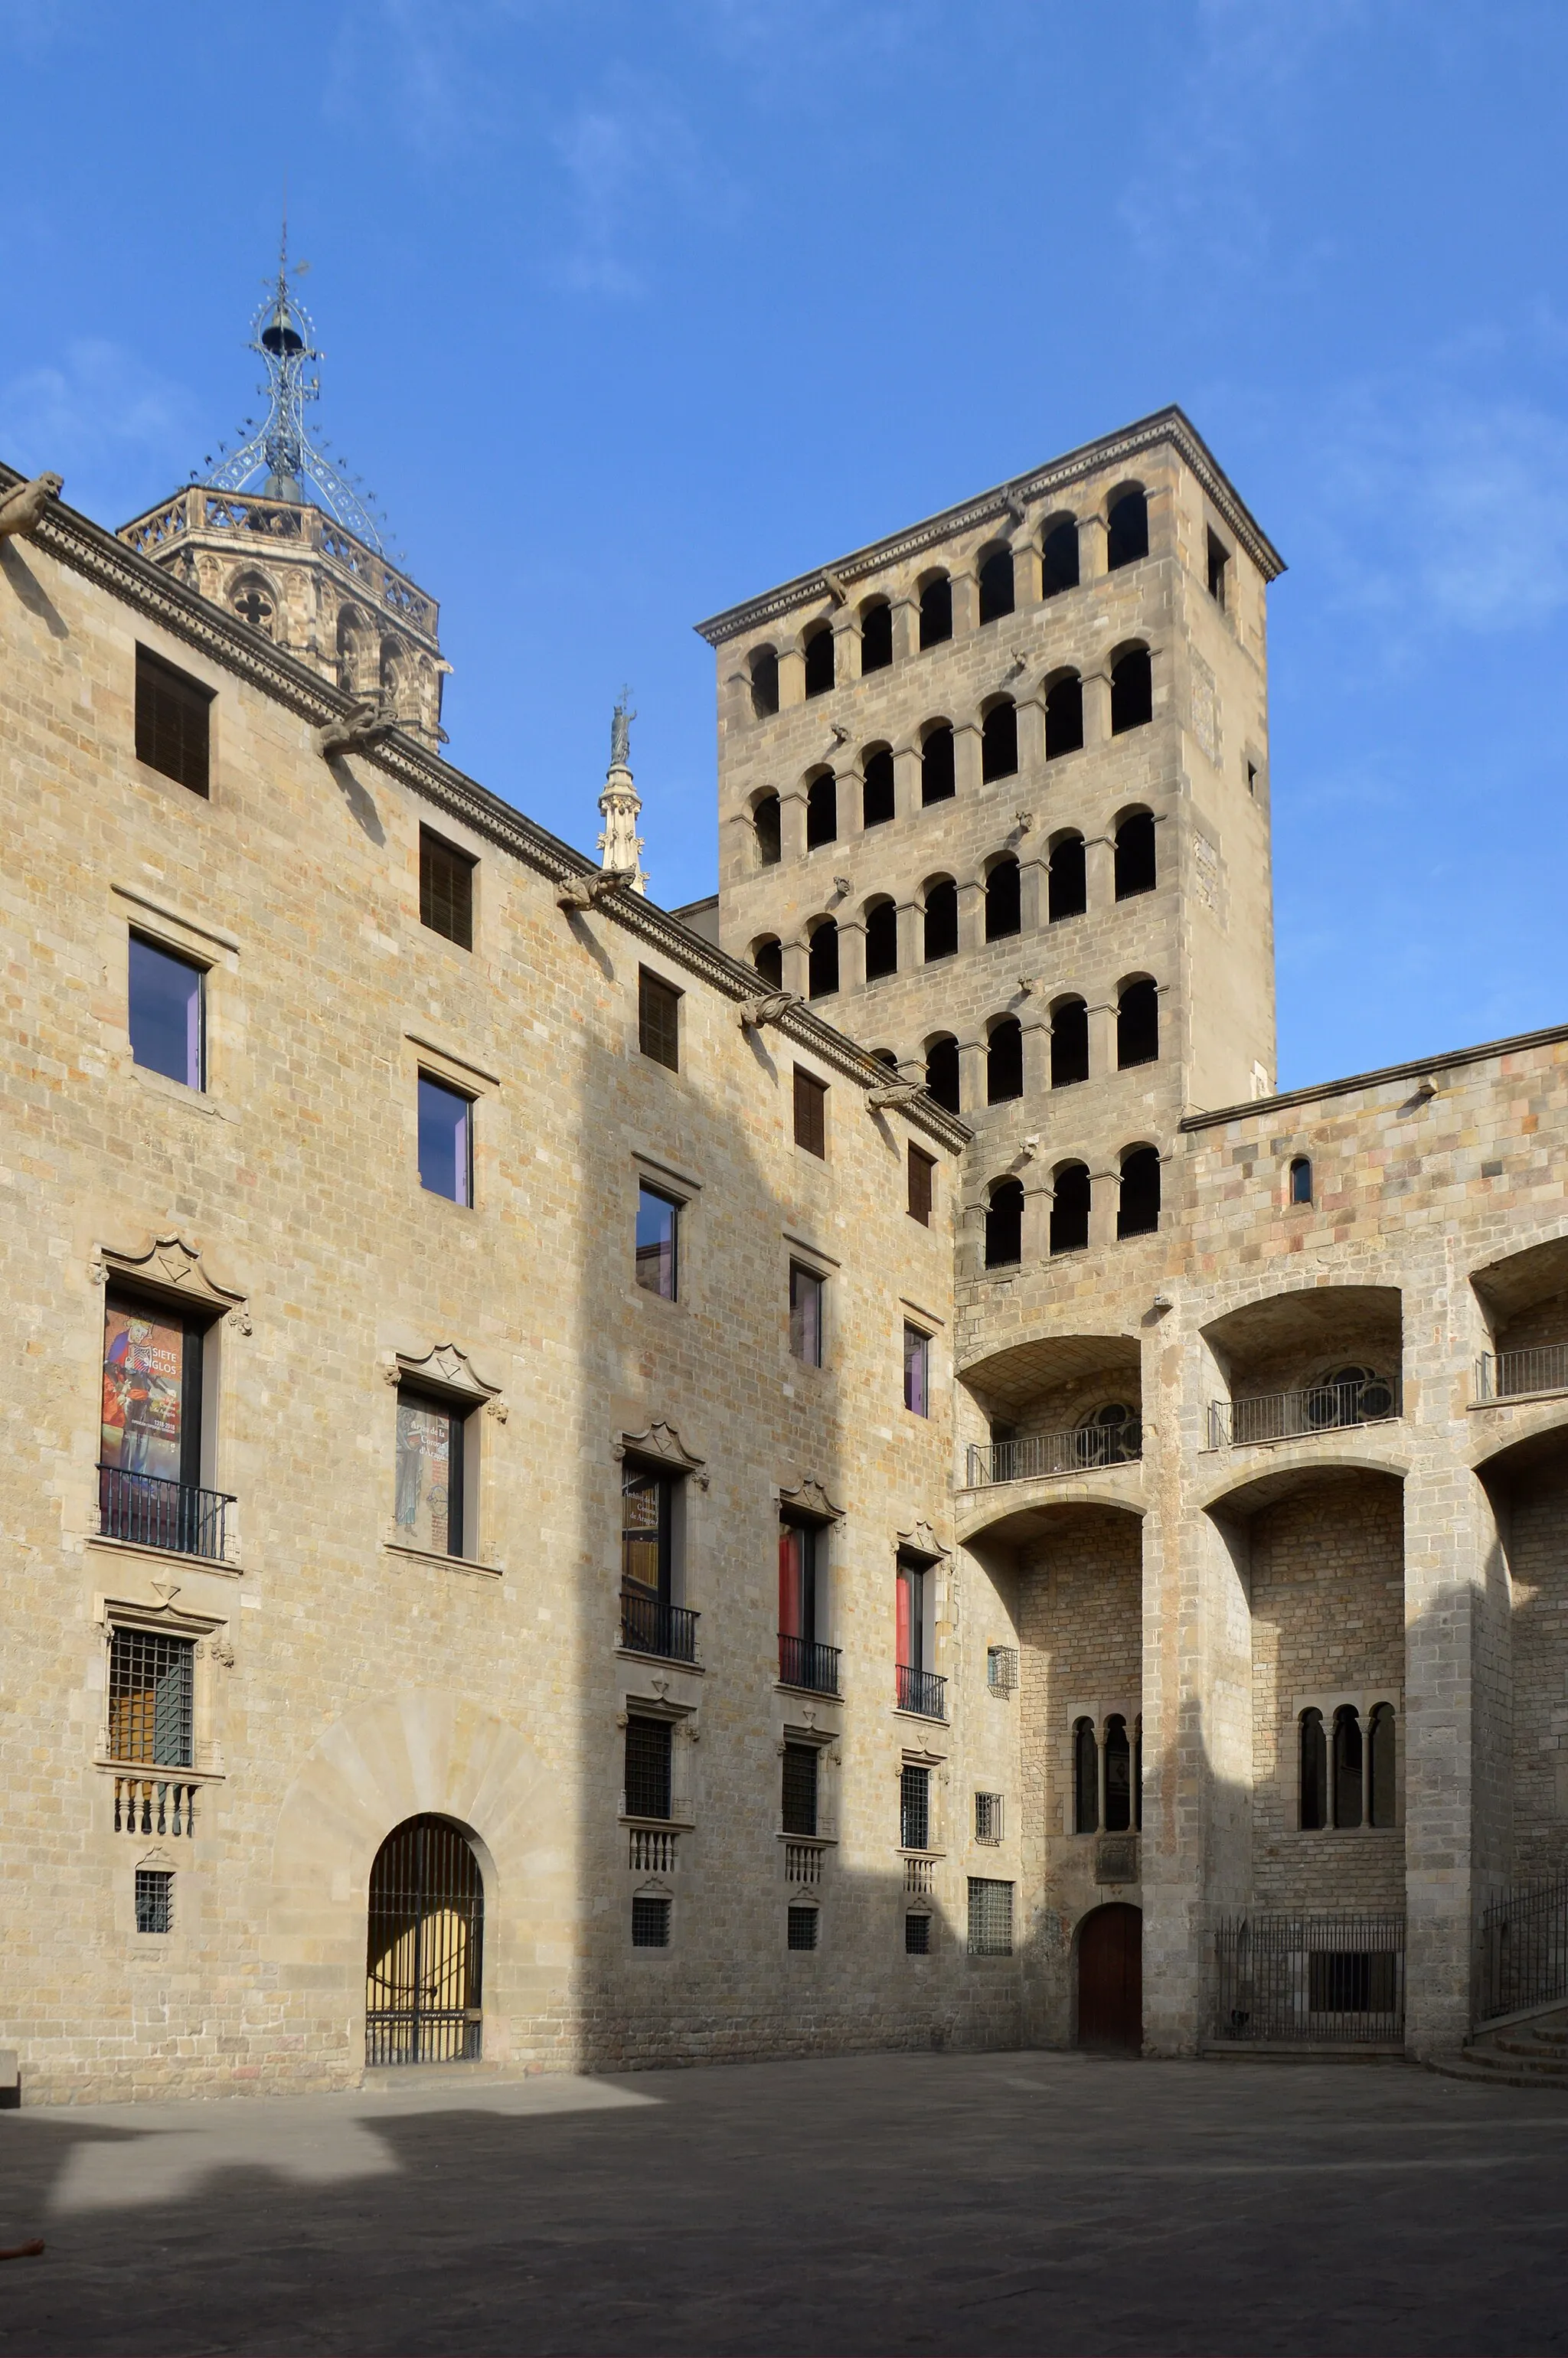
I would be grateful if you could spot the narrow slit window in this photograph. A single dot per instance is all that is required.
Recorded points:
(1301, 1179)
(917, 1371)
(658, 1242)
(446, 1141)
(876, 797)
(446, 889)
(658, 1020)
(810, 1112)
(806, 1290)
(922, 1168)
(797, 1799)
(876, 638)
(173, 722)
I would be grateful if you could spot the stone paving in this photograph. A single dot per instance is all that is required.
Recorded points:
(1022, 2203)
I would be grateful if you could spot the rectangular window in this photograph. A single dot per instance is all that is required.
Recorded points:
(173, 721)
(922, 1168)
(151, 1698)
(429, 1511)
(151, 1416)
(988, 1817)
(446, 1141)
(798, 1802)
(914, 1808)
(1218, 561)
(155, 1901)
(650, 1751)
(658, 1020)
(650, 1923)
(798, 1582)
(658, 1235)
(446, 889)
(646, 1532)
(801, 1933)
(912, 1647)
(917, 1371)
(917, 1936)
(991, 1918)
(806, 1292)
(166, 1013)
(810, 1112)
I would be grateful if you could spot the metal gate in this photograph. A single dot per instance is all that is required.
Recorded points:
(425, 1947)
(1330, 1980)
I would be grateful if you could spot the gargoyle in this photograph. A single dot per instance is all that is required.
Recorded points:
(901, 1092)
(21, 511)
(766, 1008)
(586, 892)
(365, 726)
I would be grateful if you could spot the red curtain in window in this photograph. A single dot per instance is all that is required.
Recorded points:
(905, 1620)
(790, 1621)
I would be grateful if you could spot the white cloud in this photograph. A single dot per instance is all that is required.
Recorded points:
(100, 418)
(622, 153)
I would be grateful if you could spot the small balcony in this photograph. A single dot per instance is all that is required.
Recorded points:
(1515, 1374)
(1298, 1415)
(803, 1663)
(152, 1513)
(922, 1691)
(1079, 1450)
(650, 1626)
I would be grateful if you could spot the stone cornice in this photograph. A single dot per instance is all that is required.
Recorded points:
(1170, 425)
(1422, 1068)
(73, 540)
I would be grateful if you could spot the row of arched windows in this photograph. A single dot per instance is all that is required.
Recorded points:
(1137, 1206)
(1132, 707)
(1127, 541)
(1137, 1043)
(1107, 1776)
(1347, 1775)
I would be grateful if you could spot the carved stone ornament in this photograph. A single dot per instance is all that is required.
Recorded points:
(661, 1442)
(766, 1008)
(156, 1858)
(921, 1539)
(447, 1367)
(809, 1494)
(174, 1266)
(1115, 1859)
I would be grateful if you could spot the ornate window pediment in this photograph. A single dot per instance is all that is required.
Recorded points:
(446, 1368)
(169, 1266)
(921, 1539)
(662, 1443)
(809, 1494)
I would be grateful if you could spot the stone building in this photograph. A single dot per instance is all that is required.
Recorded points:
(593, 1487)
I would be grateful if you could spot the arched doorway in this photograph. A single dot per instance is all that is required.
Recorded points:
(425, 1947)
(1110, 1979)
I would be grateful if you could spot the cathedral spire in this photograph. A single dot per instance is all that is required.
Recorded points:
(620, 845)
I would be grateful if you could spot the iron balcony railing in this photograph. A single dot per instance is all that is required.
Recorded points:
(1506, 1375)
(1078, 1452)
(1288, 1416)
(158, 1514)
(803, 1663)
(649, 1626)
(1333, 1980)
(922, 1691)
(1524, 1949)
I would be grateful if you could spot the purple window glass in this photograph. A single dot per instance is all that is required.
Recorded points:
(917, 1370)
(166, 1013)
(446, 1141)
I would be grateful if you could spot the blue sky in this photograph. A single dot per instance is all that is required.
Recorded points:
(630, 311)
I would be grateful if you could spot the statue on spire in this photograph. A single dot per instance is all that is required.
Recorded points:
(620, 845)
(621, 732)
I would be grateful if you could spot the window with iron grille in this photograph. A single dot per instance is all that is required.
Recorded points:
(799, 1797)
(649, 1755)
(991, 1918)
(658, 1020)
(921, 1167)
(810, 1112)
(155, 1901)
(1001, 1661)
(173, 721)
(446, 889)
(917, 1936)
(914, 1808)
(650, 1923)
(803, 1928)
(988, 1817)
(151, 1690)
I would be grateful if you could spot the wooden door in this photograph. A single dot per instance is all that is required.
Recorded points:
(1110, 1979)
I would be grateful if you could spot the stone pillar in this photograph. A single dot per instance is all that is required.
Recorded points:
(967, 759)
(1037, 1031)
(792, 823)
(1105, 1185)
(1033, 899)
(971, 1074)
(909, 936)
(793, 960)
(906, 781)
(1102, 1040)
(1092, 540)
(966, 604)
(1099, 870)
(1030, 746)
(851, 793)
(1026, 576)
(905, 628)
(971, 915)
(1037, 1216)
(792, 677)
(851, 954)
(1097, 708)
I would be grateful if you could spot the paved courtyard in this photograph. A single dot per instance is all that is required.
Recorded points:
(1012, 2203)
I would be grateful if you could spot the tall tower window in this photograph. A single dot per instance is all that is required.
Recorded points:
(1066, 884)
(1135, 854)
(1064, 717)
(942, 1072)
(1127, 529)
(999, 742)
(821, 810)
(877, 793)
(1059, 559)
(820, 672)
(876, 636)
(996, 585)
(764, 670)
(936, 611)
(941, 920)
(882, 941)
(938, 779)
(1069, 1043)
(1131, 691)
(1004, 906)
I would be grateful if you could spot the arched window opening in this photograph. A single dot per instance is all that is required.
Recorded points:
(1348, 1766)
(353, 651)
(1069, 1043)
(1301, 1179)
(886, 1057)
(1137, 1201)
(393, 677)
(821, 810)
(1070, 1208)
(1127, 530)
(1138, 1025)
(1131, 691)
(767, 957)
(424, 1951)
(1066, 881)
(1118, 1776)
(876, 636)
(999, 742)
(936, 611)
(876, 793)
(1085, 1777)
(1381, 1793)
(1135, 854)
(938, 778)
(1064, 717)
(819, 671)
(1314, 1811)
(764, 669)
(822, 960)
(1004, 1062)
(882, 941)
(1004, 912)
(255, 603)
(1059, 559)
(1005, 1225)
(767, 825)
(941, 920)
(996, 585)
(942, 1072)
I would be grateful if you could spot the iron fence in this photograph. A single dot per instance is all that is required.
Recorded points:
(426, 1935)
(650, 1626)
(922, 1691)
(803, 1663)
(158, 1514)
(1290, 1416)
(1506, 1375)
(1332, 1979)
(1040, 1454)
(1524, 1949)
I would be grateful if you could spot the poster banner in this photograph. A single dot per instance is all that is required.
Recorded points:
(144, 1378)
(424, 1476)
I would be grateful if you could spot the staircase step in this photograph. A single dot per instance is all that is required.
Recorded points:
(1491, 2074)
